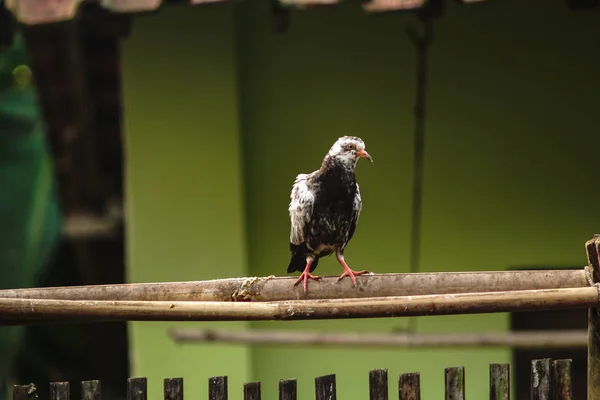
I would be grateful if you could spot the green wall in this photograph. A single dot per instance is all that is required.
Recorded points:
(184, 191)
(511, 133)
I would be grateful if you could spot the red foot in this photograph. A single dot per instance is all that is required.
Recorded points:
(306, 274)
(351, 274)
(304, 277)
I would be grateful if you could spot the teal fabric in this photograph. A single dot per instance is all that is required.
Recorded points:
(29, 214)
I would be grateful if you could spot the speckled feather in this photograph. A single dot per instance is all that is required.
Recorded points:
(324, 207)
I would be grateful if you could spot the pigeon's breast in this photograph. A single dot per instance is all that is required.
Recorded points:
(331, 221)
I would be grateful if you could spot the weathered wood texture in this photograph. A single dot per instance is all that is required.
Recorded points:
(550, 380)
(43, 310)
(409, 386)
(59, 391)
(91, 390)
(24, 392)
(325, 388)
(499, 381)
(541, 379)
(288, 389)
(455, 383)
(137, 389)
(173, 389)
(521, 339)
(217, 388)
(561, 380)
(592, 248)
(252, 391)
(278, 289)
(378, 384)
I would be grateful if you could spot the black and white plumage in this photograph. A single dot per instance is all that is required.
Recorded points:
(324, 209)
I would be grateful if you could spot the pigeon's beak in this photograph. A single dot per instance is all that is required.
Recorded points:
(364, 154)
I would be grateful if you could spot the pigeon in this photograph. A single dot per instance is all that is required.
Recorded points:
(324, 210)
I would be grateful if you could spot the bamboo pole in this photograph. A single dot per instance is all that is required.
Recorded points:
(592, 248)
(278, 289)
(561, 339)
(40, 310)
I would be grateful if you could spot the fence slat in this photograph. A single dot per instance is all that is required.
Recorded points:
(90, 390)
(59, 391)
(499, 382)
(561, 380)
(288, 389)
(173, 388)
(137, 388)
(217, 388)
(455, 383)
(325, 387)
(252, 391)
(409, 386)
(378, 384)
(24, 392)
(592, 249)
(540, 379)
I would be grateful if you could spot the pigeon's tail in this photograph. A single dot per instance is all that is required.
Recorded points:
(298, 260)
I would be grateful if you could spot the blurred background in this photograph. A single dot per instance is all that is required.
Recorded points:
(162, 146)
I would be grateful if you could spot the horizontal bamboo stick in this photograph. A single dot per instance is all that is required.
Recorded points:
(276, 289)
(399, 306)
(520, 339)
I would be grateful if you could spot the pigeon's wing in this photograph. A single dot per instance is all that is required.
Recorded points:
(302, 200)
(356, 209)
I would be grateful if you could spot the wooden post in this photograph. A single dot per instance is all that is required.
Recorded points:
(24, 392)
(59, 391)
(252, 391)
(90, 390)
(499, 382)
(561, 380)
(325, 387)
(173, 389)
(455, 383)
(378, 384)
(592, 248)
(409, 386)
(137, 389)
(217, 388)
(540, 379)
(288, 389)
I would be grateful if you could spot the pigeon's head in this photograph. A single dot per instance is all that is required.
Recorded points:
(348, 149)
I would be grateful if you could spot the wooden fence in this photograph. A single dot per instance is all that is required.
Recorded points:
(550, 380)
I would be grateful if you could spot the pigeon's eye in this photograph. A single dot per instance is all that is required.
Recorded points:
(350, 146)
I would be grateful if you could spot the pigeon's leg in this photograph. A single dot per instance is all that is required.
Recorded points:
(306, 274)
(347, 270)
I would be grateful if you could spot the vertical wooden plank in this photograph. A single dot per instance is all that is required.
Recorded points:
(592, 248)
(59, 391)
(378, 384)
(325, 387)
(217, 388)
(409, 386)
(561, 380)
(90, 390)
(499, 382)
(173, 388)
(455, 383)
(540, 379)
(252, 391)
(137, 388)
(288, 389)
(24, 392)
